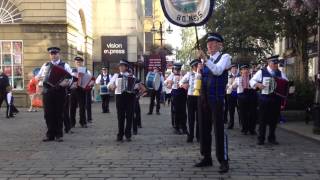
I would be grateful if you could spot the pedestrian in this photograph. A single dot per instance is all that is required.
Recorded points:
(246, 101)
(214, 80)
(124, 100)
(54, 94)
(103, 79)
(32, 91)
(11, 108)
(178, 104)
(155, 94)
(269, 101)
(231, 97)
(4, 84)
(188, 82)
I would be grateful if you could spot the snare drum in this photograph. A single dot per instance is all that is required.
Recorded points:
(153, 80)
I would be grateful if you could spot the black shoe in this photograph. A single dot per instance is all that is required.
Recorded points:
(84, 126)
(253, 133)
(189, 140)
(104, 111)
(184, 131)
(119, 139)
(90, 121)
(224, 167)
(274, 142)
(135, 132)
(47, 139)
(139, 126)
(158, 113)
(260, 143)
(59, 139)
(128, 139)
(206, 162)
(149, 113)
(245, 133)
(177, 131)
(230, 127)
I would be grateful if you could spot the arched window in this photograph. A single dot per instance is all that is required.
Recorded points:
(9, 13)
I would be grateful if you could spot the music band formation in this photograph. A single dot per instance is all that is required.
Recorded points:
(201, 99)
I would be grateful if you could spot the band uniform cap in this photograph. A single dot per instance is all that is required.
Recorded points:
(244, 66)
(233, 65)
(194, 62)
(177, 65)
(104, 68)
(80, 59)
(215, 37)
(123, 62)
(274, 59)
(53, 49)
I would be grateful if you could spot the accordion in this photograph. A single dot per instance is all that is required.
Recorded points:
(54, 75)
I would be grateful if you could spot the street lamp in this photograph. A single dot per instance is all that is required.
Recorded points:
(154, 30)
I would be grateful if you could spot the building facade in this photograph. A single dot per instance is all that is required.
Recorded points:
(29, 27)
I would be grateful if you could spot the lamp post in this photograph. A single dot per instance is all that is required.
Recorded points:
(154, 30)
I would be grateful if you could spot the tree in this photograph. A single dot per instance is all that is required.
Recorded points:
(187, 50)
(249, 29)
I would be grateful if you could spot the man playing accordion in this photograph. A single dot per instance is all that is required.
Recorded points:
(269, 100)
(54, 93)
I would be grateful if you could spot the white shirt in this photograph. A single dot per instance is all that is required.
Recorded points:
(76, 73)
(98, 80)
(175, 79)
(229, 87)
(43, 67)
(223, 64)
(189, 79)
(257, 78)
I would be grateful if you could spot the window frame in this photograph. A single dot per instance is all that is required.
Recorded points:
(12, 65)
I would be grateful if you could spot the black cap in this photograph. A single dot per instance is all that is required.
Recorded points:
(177, 65)
(53, 50)
(80, 59)
(124, 62)
(214, 37)
(233, 65)
(274, 59)
(194, 62)
(244, 66)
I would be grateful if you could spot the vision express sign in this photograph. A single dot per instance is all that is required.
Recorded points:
(114, 48)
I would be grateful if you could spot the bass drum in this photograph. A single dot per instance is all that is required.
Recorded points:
(153, 80)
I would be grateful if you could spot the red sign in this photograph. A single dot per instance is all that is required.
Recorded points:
(154, 62)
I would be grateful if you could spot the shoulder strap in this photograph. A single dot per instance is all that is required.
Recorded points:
(218, 59)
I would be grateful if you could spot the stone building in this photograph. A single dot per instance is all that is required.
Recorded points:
(29, 27)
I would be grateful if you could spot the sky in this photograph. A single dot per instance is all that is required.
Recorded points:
(174, 38)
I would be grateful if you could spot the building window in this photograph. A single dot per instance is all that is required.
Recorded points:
(148, 40)
(149, 8)
(11, 59)
(9, 13)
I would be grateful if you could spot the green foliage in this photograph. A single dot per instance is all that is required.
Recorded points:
(303, 96)
(187, 51)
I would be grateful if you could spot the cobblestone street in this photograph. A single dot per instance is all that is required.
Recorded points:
(155, 153)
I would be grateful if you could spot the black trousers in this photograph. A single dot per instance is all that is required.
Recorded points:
(66, 113)
(88, 105)
(3, 97)
(193, 116)
(105, 102)
(232, 104)
(154, 95)
(167, 98)
(78, 99)
(125, 105)
(53, 104)
(137, 115)
(269, 115)
(246, 111)
(179, 101)
(212, 112)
